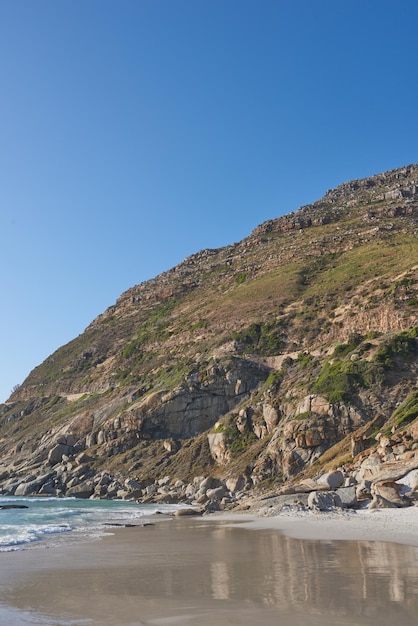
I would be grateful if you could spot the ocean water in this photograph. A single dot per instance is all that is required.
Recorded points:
(46, 520)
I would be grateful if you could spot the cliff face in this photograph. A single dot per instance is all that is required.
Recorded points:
(256, 359)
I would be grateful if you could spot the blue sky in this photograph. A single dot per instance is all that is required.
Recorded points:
(135, 133)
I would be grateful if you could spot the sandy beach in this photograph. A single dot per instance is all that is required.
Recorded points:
(389, 525)
(292, 570)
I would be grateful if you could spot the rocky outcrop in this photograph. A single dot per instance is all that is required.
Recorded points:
(259, 362)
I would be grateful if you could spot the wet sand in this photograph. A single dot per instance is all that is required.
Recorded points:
(217, 569)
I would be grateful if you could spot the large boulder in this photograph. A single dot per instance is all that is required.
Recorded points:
(57, 452)
(218, 448)
(332, 480)
(132, 485)
(324, 500)
(270, 416)
(216, 494)
(84, 490)
(187, 512)
(363, 490)
(409, 482)
(390, 491)
(379, 502)
(348, 496)
(235, 484)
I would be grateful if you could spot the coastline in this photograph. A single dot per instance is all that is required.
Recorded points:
(228, 567)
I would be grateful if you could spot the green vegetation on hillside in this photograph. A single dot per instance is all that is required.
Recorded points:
(264, 338)
(342, 376)
(408, 411)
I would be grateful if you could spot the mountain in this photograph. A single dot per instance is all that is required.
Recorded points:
(261, 362)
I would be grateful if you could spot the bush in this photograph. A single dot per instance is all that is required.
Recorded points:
(241, 278)
(264, 338)
(342, 349)
(304, 359)
(403, 344)
(408, 411)
(274, 379)
(339, 380)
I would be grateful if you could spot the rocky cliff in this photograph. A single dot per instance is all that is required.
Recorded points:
(259, 363)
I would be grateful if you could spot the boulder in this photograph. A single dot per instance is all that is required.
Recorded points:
(270, 416)
(332, 480)
(83, 458)
(82, 491)
(235, 484)
(206, 483)
(187, 512)
(201, 499)
(190, 490)
(31, 486)
(212, 507)
(56, 453)
(348, 496)
(132, 485)
(216, 494)
(48, 489)
(324, 500)
(409, 482)
(389, 490)
(363, 490)
(391, 470)
(218, 448)
(27, 489)
(379, 502)
(70, 440)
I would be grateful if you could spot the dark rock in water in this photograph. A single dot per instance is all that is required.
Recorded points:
(13, 506)
(186, 512)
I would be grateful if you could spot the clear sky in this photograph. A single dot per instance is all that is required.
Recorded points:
(134, 133)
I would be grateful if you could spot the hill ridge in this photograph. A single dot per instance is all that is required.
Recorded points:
(253, 359)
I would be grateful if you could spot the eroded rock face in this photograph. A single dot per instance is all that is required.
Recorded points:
(298, 442)
(186, 411)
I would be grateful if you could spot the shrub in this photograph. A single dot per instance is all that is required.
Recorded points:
(305, 359)
(263, 338)
(342, 349)
(403, 344)
(274, 379)
(408, 411)
(131, 349)
(339, 380)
